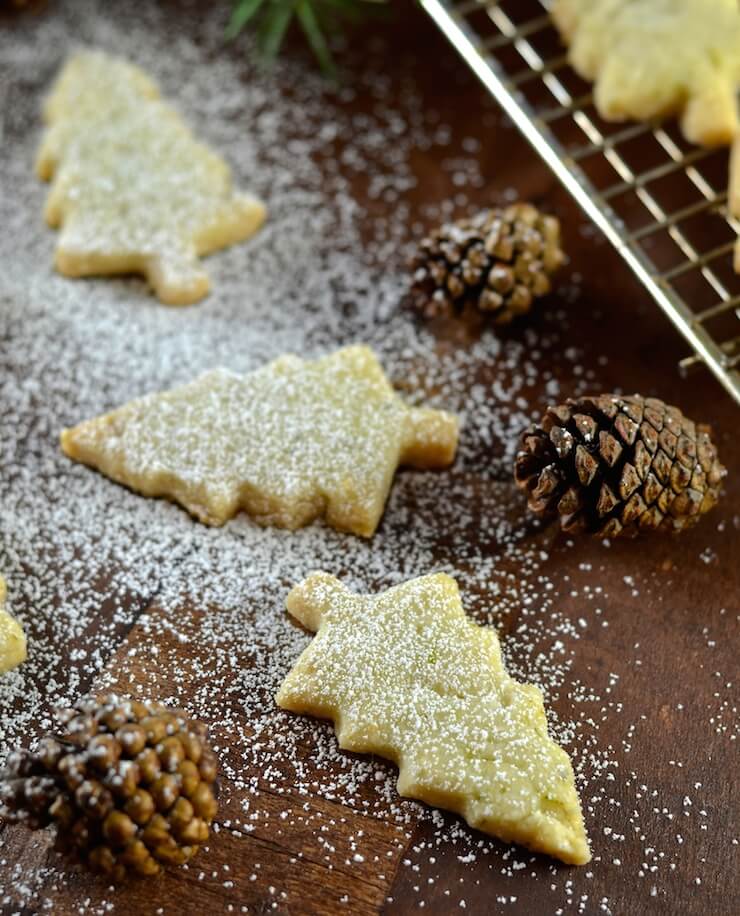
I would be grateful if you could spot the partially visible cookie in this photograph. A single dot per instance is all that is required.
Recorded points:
(133, 191)
(653, 58)
(291, 442)
(734, 192)
(406, 675)
(12, 638)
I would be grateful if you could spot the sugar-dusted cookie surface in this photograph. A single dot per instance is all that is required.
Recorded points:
(12, 638)
(291, 442)
(652, 58)
(406, 675)
(133, 191)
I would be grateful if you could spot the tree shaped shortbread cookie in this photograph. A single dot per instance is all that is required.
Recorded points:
(406, 675)
(291, 442)
(133, 191)
(12, 639)
(652, 58)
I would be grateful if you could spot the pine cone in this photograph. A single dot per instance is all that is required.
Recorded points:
(613, 465)
(128, 786)
(499, 261)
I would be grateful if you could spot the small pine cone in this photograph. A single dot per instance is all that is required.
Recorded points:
(127, 786)
(499, 261)
(613, 465)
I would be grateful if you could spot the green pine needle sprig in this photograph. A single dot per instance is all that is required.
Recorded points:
(271, 19)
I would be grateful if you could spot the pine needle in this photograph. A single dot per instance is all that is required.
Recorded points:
(243, 12)
(315, 37)
(272, 19)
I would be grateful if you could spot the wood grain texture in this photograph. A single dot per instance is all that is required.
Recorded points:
(665, 717)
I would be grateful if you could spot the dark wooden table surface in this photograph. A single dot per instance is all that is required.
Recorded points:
(658, 649)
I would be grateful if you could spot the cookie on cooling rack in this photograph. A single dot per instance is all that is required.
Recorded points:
(658, 58)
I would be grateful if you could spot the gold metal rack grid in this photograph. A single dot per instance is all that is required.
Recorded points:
(659, 201)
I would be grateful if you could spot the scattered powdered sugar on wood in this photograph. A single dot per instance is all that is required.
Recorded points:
(114, 589)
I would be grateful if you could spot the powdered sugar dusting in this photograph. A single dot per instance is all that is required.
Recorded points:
(117, 589)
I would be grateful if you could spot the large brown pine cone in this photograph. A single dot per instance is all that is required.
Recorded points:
(614, 465)
(499, 262)
(128, 786)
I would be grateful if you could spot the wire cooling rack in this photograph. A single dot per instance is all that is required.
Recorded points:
(661, 202)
